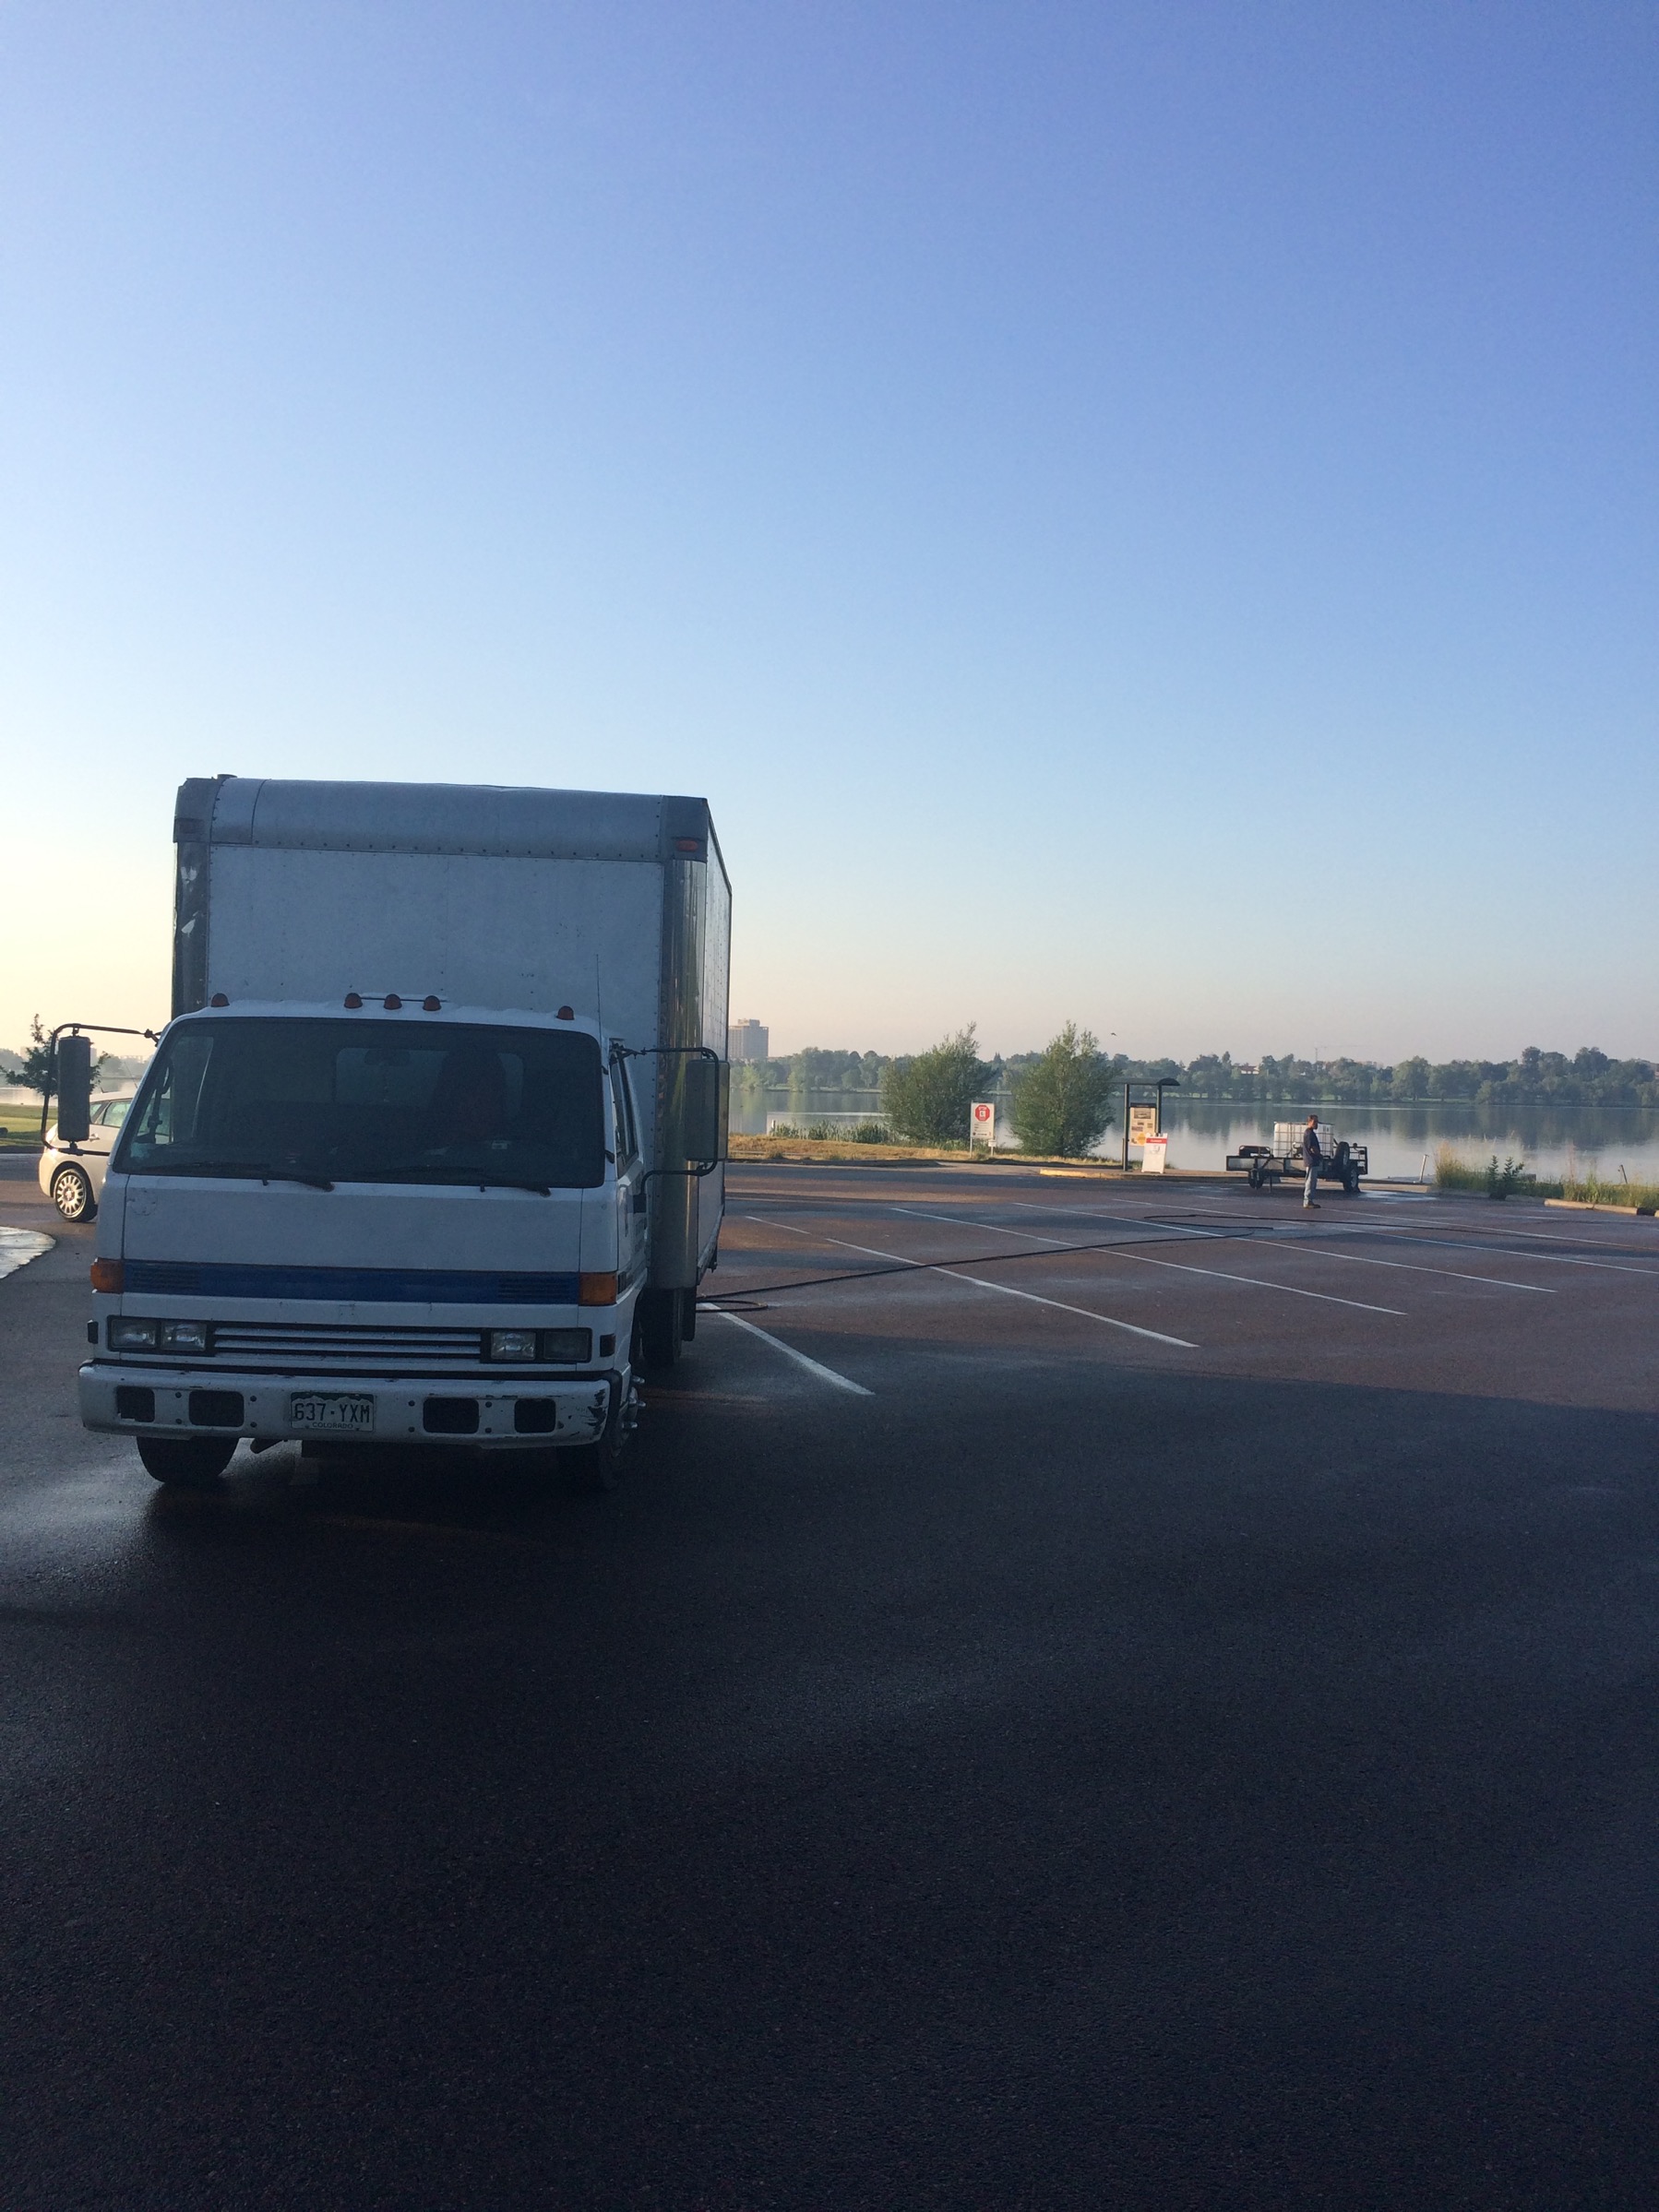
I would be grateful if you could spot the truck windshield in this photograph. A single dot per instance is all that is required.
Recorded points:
(354, 1102)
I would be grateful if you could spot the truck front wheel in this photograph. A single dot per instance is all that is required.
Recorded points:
(659, 1314)
(190, 1462)
(592, 1467)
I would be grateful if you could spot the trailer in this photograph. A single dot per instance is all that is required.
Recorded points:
(1282, 1162)
(430, 1153)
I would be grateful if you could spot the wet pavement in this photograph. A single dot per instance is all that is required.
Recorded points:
(1148, 1700)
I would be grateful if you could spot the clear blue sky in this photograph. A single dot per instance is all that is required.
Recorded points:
(1146, 513)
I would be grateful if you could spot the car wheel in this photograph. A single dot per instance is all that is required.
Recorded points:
(72, 1194)
(190, 1462)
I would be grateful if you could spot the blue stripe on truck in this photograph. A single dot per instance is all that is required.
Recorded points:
(369, 1286)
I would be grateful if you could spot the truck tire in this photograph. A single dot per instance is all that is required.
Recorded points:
(187, 1462)
(659, 1314)
(72, 1194)
(592, 1468)
(1351, 1181)
(687, 1316)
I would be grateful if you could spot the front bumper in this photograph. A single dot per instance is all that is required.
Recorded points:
(450, 1409)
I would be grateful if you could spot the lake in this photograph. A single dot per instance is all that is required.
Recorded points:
(1552, 1140)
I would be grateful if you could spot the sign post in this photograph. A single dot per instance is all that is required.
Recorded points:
(1143, 1124)
(982, 1122)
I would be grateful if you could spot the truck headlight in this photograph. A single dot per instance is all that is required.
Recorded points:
(510, 1344)
(567, 1347)
(184, 1335)
(124, 1333)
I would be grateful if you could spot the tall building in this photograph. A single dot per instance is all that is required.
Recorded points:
(748, 1040)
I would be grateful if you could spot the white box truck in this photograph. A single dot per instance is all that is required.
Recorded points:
(430, 1151)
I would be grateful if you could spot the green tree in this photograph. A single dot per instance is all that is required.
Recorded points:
(1062, 1102)
(927, 1098)
(36, 1073)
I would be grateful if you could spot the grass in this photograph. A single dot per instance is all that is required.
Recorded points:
(1492, 1180)
(787, 1143)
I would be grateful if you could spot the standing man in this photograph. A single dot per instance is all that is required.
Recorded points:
(1310, 1153)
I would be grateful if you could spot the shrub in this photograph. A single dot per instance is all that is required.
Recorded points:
(929, 1097)
(868, 1133)
(1062, 1103)
(1511, 1176)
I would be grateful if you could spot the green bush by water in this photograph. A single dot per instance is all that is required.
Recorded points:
(1593, 1188)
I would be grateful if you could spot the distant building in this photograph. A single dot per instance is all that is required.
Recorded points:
(748, 1040)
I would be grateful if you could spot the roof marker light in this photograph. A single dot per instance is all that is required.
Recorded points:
(431, 1005)
(353, 1000)
(219, 999)
(392, 1001)
(566, 1013)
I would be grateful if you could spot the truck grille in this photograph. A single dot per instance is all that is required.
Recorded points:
(276, 1344)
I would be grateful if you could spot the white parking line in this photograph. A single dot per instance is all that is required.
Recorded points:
(1353, 1259)
(1112, 1252)
(1258, 1282)
(1008, 1290)
(1302, 1245)
(1542, 1259)
(956, 1221)
(825, 1375)
(1107, 1320)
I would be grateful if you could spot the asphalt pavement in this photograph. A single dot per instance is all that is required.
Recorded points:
(1085, 1694)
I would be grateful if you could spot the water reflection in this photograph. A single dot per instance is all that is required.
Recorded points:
(1552, 1140)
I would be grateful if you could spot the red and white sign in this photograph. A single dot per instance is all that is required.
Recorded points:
(1157, 1154)
(982, 1122)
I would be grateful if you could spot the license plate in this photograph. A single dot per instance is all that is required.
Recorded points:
(308, 1409)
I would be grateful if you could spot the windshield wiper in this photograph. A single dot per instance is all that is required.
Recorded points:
(420, 1171)
(251, 1169)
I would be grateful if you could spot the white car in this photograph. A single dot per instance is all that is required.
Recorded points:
(72, 1175)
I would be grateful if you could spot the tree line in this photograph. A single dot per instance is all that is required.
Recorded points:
(926, 1095)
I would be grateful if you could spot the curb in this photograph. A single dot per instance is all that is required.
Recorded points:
(1599, 1206)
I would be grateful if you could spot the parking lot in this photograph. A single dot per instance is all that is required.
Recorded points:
(1088, 1694)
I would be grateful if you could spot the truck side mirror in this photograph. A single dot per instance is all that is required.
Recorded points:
(705, 1124)
(74, 1089)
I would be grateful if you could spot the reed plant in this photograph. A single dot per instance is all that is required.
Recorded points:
(1453, 1173)
(1593, 1188)
(1586, 1185)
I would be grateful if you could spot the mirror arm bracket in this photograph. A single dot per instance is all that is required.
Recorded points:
(105, 1029)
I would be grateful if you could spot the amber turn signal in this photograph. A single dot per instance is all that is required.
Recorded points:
(110, 1276)
(596, 1290)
